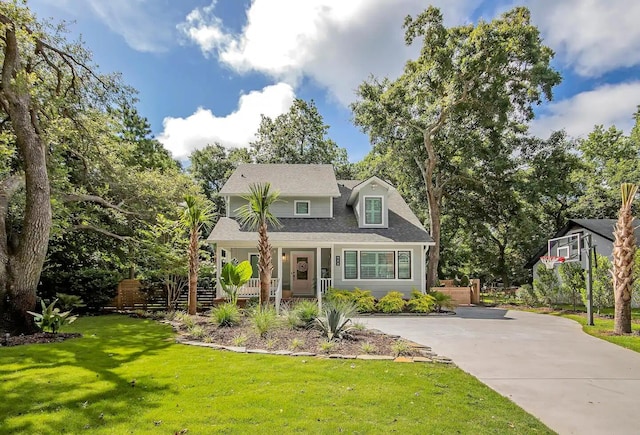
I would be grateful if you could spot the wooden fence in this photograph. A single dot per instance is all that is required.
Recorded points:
(131, 297)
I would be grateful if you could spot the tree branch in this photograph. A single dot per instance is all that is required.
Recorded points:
(107, 233)
(78, 197)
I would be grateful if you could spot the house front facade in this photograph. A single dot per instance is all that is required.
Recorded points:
(334, 233)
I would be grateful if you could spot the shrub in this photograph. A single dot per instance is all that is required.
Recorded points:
(264, 319)
(365, 303)
(602, 288)
(367, 348)
(51, 319)
(334, 322)
(527, 296)
(69, 302)
(296, 344)
(337, 295)
(96, 287)
(421, 303)
(392, 302)
(226, 314)
(233, 277)
(239, 340)
(291, 318)
(573, 281)
(441, 300)
(400, 348)
(327, 346)
(546, 286)
(306, 310)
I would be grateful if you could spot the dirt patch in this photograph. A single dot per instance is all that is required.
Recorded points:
(282, 338)
(40, 337)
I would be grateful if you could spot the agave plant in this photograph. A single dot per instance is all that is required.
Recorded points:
(51, 319)
(624, 249)
(335, 320)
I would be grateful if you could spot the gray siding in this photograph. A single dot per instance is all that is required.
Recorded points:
(359, 205)
(242, 254)
(318, 207)
(380, 288)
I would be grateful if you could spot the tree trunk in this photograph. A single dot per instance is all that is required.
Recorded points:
(624, 249)
(23, 267)
(265, 267)
(193, 270)
(434, 252)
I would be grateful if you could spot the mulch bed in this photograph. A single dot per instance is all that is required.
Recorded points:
(39, 337)
(298, 339)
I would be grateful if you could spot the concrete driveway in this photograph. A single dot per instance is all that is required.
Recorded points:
(574, 383)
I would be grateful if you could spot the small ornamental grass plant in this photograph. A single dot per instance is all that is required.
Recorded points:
(367, 348)
(306, 310)
(327, 346)
(400, 348)
(225, 315)
(264, 320)
(296, 344)
(392, 302)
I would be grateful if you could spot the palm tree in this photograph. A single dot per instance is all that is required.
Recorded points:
(624, 249)
(256, 215)
(196, 216)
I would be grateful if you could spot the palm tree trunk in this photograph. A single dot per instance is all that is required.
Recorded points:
(193, 270)
(624, 248)
(265, 267)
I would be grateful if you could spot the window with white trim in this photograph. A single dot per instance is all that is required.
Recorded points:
(373, 265)
(373, 210)
(302, 208)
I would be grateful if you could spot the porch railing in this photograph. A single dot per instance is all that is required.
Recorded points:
(252, 288)
(325, 284)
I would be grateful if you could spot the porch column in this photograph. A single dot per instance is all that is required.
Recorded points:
(218, 270)
(279, 290)
(319, 276)
(423, 260)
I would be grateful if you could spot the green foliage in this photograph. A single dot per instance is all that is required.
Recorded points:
(96, 287)
(197, 331)
(441, 300)
(335, 319)
(421, 303)
(306, 311)
(546, 286)
(296, 344)
(52, 319)
(240, 340)
(327, 346)
(233, 277)
(69, 302)
(185, 318)
(264, 319)
(226, 314)
(367, 348)
(573, 281)
(364, 302)
(392, 302)
(602, 287)
(527, 295)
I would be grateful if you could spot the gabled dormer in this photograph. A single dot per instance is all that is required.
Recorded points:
(369, 202)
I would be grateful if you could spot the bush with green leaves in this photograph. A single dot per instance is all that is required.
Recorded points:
(392, 302)
(52, 319)
(546, 286)
(69, 302)
(338, 295)
(527, 296)
(573, 281)
(363, 300)
(97, 287)
(602, 288)
(335, 319)
(442, 301)
(233, 277)
(264, 319)
(225, 315)
(420, 303)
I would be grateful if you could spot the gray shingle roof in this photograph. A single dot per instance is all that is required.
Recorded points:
(404, 226)
(289, 180)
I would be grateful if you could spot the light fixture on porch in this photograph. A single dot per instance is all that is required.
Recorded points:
(284, 256)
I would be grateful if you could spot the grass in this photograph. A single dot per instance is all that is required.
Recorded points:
(128, 376)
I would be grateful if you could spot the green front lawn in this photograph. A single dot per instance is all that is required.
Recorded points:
(128, 376)
(603, 329)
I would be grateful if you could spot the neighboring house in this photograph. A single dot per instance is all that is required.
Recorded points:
(341, 234)
(601, 231)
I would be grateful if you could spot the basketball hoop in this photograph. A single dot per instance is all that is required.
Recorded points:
(550, 261)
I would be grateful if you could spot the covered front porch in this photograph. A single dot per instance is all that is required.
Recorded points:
(299, 271)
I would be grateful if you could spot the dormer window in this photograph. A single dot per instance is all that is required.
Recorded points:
(373, 210)
(302, 208)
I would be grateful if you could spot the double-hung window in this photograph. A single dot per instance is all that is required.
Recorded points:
(374, 265)
(302, 208)
(373, 210)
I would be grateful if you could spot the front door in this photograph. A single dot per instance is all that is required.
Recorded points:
(302, 273)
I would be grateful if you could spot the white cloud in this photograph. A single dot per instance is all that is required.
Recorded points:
(237, 129)
(606, 105)
(591, 36)
(336, 43)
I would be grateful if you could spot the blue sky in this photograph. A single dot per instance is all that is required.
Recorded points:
(205, 70)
